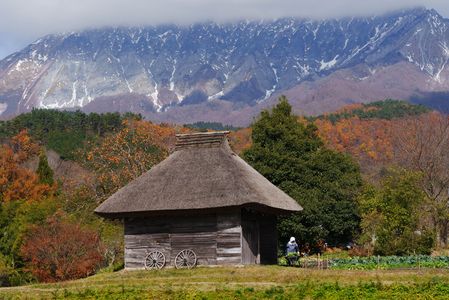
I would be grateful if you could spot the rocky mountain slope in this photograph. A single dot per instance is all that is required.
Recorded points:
(228, 72)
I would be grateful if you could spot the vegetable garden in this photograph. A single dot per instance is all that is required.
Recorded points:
(373, 262)
(389, 262)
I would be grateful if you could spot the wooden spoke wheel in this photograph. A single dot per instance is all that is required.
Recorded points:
(155, 260)
(186, 259)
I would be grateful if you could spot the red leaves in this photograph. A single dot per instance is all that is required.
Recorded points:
(60, 250)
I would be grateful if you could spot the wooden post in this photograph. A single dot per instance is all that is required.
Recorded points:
(319, 264)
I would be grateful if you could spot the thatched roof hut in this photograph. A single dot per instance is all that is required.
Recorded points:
(205, 179)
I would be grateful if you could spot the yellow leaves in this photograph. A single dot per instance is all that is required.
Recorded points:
(373, 155)
(89, 156)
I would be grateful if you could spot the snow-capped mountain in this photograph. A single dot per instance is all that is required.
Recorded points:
(221, 71)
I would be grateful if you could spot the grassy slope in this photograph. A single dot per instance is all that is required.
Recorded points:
(256, 282)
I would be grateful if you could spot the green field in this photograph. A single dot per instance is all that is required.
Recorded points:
(257, 282)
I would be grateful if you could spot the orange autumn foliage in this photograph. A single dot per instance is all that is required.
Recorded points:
(17, 182)
(125, 155)
(367, 139)
(348, 108)
(23, 147)
(240, 140)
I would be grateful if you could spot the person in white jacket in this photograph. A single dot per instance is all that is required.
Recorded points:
(292, 251)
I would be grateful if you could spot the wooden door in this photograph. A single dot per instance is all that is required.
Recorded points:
(250, 242)
(268, 239)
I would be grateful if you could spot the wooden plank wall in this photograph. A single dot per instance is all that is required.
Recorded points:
(229, 241)
(198, 233)
(143, 236)
(215, 239)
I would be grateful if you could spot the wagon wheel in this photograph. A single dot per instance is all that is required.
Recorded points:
(155, 260)
(185, 259)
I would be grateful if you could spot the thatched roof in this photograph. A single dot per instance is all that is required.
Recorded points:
(202, 173)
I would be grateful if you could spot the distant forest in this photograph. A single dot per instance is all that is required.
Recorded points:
(64, 131)
(205, 126)
(386, 109)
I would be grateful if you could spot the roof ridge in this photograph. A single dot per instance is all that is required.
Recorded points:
(200, 139)
(203, 133)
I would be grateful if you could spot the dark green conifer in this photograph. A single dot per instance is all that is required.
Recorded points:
(44, 171)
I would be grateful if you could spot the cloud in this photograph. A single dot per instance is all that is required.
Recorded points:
(25, 20)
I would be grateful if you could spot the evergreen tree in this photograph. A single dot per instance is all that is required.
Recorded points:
(44, 171)
(325, 183)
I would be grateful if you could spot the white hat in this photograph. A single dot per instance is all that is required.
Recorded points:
(292, 239)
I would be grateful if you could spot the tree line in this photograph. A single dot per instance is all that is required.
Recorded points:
(64, 131)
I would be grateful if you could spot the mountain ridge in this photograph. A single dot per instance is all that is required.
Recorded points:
(229, 71)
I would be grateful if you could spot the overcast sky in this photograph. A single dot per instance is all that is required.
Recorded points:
(22, 21)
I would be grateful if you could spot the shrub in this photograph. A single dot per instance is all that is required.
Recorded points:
(61, 250)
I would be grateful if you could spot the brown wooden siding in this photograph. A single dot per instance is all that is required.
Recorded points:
(170, 235)
(226, 238)
(214, 239)
(250, 238)
(229, 248)
(250, 242)
(143, 236)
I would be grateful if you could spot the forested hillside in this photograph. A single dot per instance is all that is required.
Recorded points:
(353, 171)
(63, 131)
(388, 109)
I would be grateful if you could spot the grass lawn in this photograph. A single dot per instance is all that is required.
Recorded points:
(254, 282)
